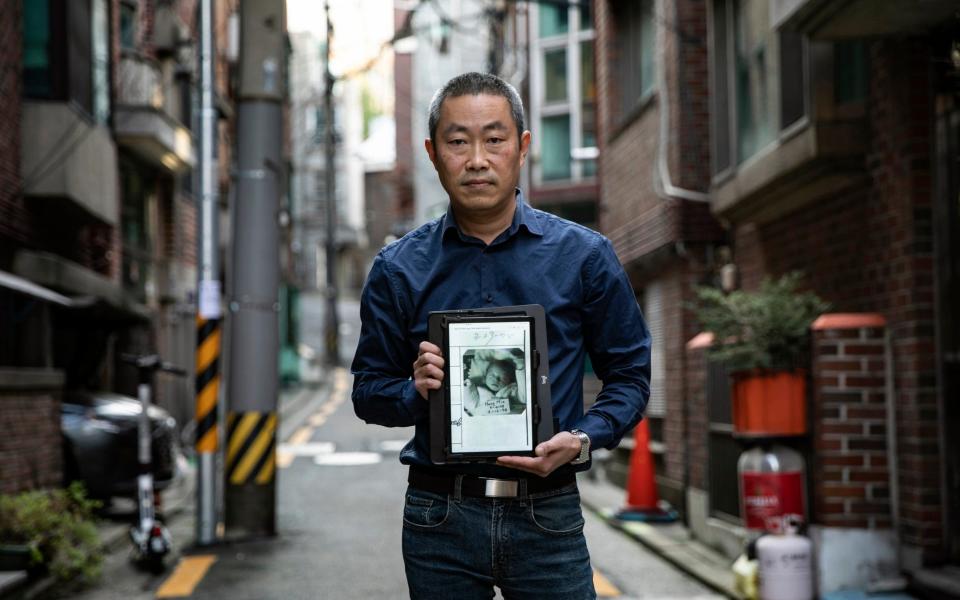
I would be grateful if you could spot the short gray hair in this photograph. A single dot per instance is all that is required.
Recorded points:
(474, 84)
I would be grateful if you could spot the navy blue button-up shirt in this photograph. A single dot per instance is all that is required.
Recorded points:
(541, 259)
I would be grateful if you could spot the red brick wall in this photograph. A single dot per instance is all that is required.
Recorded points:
(12, 210)
(642, 224)
(29, 441)
(690, 156)
(698, 419)
(631, 214)
(850, 475)
(870, 250)
(679, 325)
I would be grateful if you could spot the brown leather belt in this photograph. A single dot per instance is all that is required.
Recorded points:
(443, 482)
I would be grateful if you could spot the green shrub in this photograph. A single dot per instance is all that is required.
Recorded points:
(58, 527)
(765, 329)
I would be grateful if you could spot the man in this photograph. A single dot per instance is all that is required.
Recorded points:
(461, 535)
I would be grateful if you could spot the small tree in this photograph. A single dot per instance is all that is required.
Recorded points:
(766, 329)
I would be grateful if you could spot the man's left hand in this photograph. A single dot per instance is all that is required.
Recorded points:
(553, 453)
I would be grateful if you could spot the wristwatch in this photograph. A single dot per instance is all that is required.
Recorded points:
(584, 455)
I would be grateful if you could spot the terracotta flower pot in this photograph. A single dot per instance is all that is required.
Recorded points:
(769, 403)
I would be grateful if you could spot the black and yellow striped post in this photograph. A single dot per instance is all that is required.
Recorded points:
(207, 384)
(206, 416)
(250, 467)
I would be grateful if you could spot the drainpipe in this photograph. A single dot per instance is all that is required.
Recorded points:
(663, 183)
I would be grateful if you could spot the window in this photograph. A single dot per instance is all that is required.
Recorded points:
(563, 90)
(850, 73)
(635, 36)
(101, 61)
(137, 229)
(128, 25)
(38, 50)
(758, 80)
(66, 53)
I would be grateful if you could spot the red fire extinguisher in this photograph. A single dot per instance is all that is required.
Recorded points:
(772, 482)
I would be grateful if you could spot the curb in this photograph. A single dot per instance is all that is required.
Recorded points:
(693, 558)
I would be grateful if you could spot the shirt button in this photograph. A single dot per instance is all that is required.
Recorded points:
(489, 297)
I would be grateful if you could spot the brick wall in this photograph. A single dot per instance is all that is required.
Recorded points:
(29, 440)
(850, 468)
(698, 421)
(690, 99)
(870, 250)
(12, 210)
(683, 416)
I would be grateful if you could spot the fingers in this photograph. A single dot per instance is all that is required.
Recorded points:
(428, 369)
(557, 451)
(427, 347)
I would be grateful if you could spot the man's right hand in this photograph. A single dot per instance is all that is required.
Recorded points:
(428, 369)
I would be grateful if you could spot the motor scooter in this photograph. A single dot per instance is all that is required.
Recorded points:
(150, 537)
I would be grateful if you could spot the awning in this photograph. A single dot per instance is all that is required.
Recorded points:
(25, 286)
(90, 307)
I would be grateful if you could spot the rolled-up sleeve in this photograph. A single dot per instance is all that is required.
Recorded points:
(618, 342)
(383, 391)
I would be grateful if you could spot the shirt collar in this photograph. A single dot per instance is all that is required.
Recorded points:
(524, 217)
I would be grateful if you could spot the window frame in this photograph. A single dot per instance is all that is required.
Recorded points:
(540, 109)
(724, 121)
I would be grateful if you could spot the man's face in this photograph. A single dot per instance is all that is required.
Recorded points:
(477, 153)
(496, 377)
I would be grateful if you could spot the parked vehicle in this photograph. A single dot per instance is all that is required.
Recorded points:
(100, 443)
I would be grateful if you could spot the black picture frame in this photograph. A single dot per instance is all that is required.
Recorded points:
(495, 398)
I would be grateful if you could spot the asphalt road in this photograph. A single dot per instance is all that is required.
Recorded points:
(340, 496)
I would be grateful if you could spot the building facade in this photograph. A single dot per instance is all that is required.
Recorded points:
(752, 139)
(98, 234)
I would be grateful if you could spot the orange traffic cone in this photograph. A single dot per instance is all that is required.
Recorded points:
(643, 503)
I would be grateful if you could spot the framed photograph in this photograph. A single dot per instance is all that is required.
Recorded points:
(496, 384)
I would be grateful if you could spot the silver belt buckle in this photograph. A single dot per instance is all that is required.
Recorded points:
(500, 488)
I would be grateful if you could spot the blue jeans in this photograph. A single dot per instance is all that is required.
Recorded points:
(460, 547)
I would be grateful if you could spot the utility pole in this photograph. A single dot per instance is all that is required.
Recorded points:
(254, 334)
(332, 325)
(207, 388)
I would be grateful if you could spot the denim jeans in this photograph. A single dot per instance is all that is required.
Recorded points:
(530, 547)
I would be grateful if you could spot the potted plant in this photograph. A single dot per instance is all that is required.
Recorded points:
(50, 530)
(762, 337)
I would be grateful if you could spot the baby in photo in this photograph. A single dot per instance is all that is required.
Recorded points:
(491, 386)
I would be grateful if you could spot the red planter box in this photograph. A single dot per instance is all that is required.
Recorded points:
(769, 403)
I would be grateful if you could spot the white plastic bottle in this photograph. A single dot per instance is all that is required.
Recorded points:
(785, 564)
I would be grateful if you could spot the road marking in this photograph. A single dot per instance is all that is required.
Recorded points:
(297, 444)
(392, 445)
(189, 572)
(300, 436)
(604, 588)
(348, 459)
(311, 449)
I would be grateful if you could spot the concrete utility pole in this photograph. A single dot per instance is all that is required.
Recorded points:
(207, 387)
(254, 341)
(332, 325)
